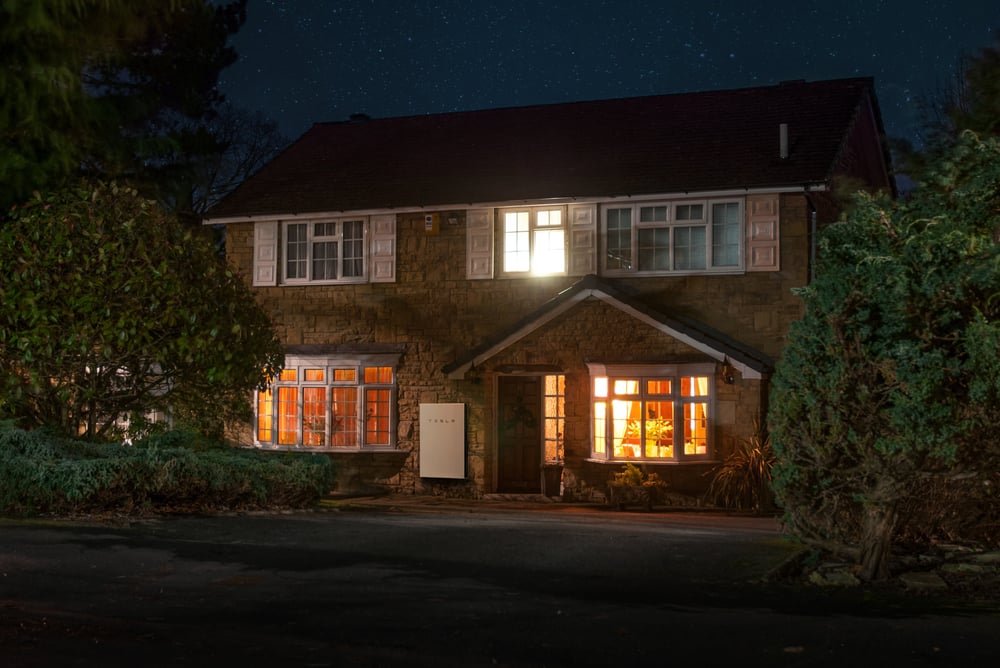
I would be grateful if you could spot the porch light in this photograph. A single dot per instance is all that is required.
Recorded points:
(727, 372)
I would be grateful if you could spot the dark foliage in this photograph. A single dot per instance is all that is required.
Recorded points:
(886, 399)
(42, 473)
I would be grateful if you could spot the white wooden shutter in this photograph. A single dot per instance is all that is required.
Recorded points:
(763, 233)
(582, 239)
(265, 253)
(479, 244)
(383, 262)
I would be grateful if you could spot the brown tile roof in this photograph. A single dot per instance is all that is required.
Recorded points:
(646, 145)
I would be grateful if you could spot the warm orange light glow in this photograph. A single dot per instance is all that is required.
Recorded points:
(265, 416)
(344, 410)
(288, 415)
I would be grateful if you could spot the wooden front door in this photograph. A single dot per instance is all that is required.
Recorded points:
(519, 429)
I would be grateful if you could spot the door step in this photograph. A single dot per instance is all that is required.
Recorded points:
(534, 498)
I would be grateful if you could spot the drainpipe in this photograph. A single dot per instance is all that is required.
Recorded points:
(812, 239)
(765, 401)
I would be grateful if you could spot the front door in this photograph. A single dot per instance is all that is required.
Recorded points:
(519, 429)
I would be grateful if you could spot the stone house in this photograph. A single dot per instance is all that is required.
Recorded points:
(522, 300)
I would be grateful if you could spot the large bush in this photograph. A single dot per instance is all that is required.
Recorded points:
(886, 400)
(110, 308)
(41, 472)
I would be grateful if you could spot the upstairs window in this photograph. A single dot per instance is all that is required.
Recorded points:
(534, 241)
(673, 237)
(324, 251)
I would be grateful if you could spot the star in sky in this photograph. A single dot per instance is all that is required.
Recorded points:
(306, 61)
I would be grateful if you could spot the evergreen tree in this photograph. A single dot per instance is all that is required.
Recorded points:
(969, 100)
(107, 87)
(886, 399)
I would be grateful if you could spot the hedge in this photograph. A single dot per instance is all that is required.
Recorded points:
(41, 473)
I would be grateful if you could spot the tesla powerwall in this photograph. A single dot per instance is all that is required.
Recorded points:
(442, 441)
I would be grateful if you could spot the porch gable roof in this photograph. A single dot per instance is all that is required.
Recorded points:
(751, 363)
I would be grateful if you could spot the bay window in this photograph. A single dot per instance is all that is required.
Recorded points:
(324, 403)
(668, 237)
(652, 412)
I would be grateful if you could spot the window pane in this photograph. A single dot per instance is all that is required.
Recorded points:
(516, 248)
(296, 251)
(345, 375)
(265, 416)
(376, 417)
(626, 428)
(324, 263)
(658, 386)
(354, 248)
(695, 429)
(622, 386)
(551, 218)
(288, 375)
(725, 234)
(344, 413)
(694, 386)
(654, 249)
(288, 415)
(689, 248)
(313, 416)
(600, 387)
(554, 417)
(550, 252)
(659, 429)
(600, 427)
(378, 374)
(653, 214)
(619, 239)
(689, 212)
(315, 375)
(325, 229)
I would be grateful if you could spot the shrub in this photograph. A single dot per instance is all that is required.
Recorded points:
(885, 400)
(743, 480)
(170, 472)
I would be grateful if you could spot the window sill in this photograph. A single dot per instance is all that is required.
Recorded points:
(727, 271)
(267, 447)
(654, 462)
(304, 284)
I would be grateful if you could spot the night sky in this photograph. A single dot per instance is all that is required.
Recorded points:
(305, 61)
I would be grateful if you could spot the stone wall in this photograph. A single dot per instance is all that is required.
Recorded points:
(439, 315)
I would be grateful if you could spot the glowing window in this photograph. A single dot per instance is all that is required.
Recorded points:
(323, 403)
(652, 418)
(534, 241)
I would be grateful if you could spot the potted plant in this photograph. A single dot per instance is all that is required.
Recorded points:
(632, 486)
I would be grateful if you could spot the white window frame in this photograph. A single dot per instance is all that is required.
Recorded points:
(643, 373)
(619, 261)
(330, 364)
(536, 229)
(311, 243)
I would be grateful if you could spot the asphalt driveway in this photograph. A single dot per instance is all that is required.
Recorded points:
(389, 584)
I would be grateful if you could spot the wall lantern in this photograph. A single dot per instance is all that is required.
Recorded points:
(727, 371)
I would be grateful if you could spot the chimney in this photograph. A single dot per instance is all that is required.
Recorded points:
(783, 141)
